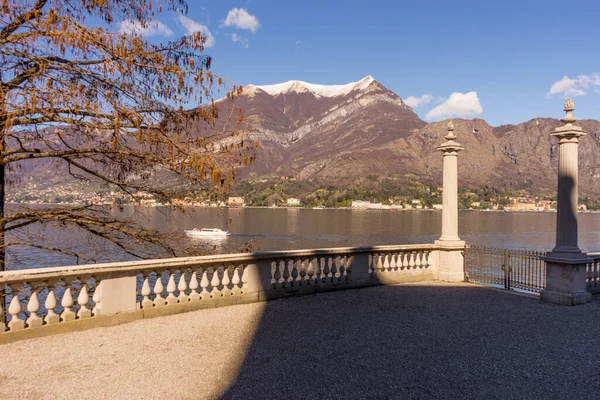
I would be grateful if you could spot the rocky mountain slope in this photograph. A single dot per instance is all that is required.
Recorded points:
(340, 134)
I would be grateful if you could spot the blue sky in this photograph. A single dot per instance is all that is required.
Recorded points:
(505, 61)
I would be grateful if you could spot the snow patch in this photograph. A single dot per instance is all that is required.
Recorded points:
(319, 90)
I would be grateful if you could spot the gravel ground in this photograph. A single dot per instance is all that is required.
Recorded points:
(427, 340)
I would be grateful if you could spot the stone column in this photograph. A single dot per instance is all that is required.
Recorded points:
(566, 264)
(451, 258)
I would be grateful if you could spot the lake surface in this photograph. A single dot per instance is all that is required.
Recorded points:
(280, 229)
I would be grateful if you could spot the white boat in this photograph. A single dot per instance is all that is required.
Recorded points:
(207, 232)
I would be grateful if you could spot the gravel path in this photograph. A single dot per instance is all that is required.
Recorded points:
(428, 340)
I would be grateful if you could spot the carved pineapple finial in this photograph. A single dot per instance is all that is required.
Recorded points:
(569, 107)
(450, 135)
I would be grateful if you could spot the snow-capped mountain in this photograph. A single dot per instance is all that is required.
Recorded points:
(344, 133)
(318, 90)
(306, 129)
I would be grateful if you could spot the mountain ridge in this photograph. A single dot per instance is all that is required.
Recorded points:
(350, 134)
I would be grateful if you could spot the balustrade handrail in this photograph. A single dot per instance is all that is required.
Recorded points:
(39, 274)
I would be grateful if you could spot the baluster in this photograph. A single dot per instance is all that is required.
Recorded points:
(33, 306)
(418, 260)
(214, 283)
(237, 279)
(194, 295)
(327, 269)
(244, 279)
(14, 309)
(393, 265)
(50, 304)
(67, 302)
(159, 301)
(386, 262)
(319, 270)
(334, 269)
(171, 287)
(204, 284)
(295, 282)
(182, 286)
(226, 280)
(349, 261)
(379, 262)
(2, 316)
(302, 272)
(342, 269)
(425, 260)
(310, 271)
(405, 260)
(146, 292)
(286, 274)
(277, 275)
(97, 297)
(411, 262)
(83, 300)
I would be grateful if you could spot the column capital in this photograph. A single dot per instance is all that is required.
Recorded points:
(450, 146)
(568, 132)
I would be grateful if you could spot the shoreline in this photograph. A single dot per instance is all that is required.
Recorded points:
(298, 208)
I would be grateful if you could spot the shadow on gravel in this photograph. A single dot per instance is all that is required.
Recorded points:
(418, 341)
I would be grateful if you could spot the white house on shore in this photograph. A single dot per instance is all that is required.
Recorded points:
(292, 202)
(366, 205)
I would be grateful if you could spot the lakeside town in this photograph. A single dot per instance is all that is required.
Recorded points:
(65, 194)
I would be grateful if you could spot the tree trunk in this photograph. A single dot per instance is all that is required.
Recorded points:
(2, 200)
(4, 318)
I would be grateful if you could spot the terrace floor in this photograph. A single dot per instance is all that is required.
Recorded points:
(426, 340)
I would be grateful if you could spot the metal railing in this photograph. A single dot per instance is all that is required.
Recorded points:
(512, 269)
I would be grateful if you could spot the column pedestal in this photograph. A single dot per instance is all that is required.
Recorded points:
(452, 260)
(566, 280)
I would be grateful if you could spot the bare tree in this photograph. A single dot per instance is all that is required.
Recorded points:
(107, 107)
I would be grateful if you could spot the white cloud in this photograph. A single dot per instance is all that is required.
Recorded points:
(242, 40)
(418, 101)
(192, 27)
(152, 28)
(457, 105)
(239, 18)
(575, 86)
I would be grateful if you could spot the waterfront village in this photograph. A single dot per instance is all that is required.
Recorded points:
(469, 201)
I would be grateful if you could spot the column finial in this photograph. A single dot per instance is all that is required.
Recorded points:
(450, 135)
(569, 119)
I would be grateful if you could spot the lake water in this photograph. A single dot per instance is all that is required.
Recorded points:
(280, 229)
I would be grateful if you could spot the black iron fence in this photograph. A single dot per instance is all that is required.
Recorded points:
(508, 268)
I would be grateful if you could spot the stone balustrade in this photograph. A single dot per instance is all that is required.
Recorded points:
(593, 273)
(49, 300)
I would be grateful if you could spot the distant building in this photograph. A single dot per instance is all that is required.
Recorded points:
(293, 202)
(476, 204)
(366, 205)
(236, 202)
(437, 207)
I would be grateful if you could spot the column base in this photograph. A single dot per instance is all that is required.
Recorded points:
(567, 299)
(566, 280)
(452, 260)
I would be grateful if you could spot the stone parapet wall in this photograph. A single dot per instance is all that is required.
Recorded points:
(44, 301)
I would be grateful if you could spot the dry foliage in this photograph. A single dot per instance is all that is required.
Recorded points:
(107, 105)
